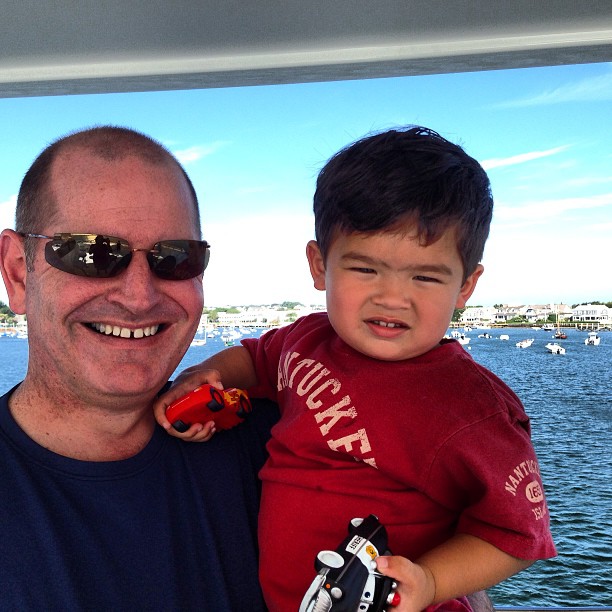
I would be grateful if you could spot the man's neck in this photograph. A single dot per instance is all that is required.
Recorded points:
(84, 432)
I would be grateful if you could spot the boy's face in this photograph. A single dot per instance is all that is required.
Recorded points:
(388, 296)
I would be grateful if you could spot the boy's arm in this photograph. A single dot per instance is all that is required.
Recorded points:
(232, 367)
(463, 565)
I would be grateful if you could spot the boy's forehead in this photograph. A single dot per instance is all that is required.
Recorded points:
(406, 229)
(397, 248)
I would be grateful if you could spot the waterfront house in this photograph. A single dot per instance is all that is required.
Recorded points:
(593, 314)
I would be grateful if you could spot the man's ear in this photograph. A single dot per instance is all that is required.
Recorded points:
(13, 268)
(468, 287)
(317, 264)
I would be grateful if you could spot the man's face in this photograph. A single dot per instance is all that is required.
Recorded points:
(143, 204)
(388, 296)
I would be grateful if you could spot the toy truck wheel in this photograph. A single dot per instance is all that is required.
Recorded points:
(330, 558)
(354, 523)
(216, 402)
(245, 407)
(180, 426)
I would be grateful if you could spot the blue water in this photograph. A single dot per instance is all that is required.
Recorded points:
(569, 400)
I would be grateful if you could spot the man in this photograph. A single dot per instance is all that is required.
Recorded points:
(94, 498)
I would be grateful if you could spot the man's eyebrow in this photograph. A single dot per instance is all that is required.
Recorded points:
(413, 268)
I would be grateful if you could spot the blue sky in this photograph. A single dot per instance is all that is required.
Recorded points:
(542, 134)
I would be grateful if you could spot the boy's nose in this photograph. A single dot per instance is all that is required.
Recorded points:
(393, 292)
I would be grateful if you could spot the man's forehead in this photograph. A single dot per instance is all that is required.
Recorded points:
(84, 171)
(81, 156)
(87, 175)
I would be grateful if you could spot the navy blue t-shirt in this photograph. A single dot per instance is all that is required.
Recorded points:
(173, 528)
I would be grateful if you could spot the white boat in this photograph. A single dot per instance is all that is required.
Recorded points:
(525, 343)
(555, 349)
(485, 335)
(461, 338)
(592, 339)
(504, 337)
(230, 335)
(198, 342)
(548, 327)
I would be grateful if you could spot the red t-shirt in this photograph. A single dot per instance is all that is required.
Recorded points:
(433, 446)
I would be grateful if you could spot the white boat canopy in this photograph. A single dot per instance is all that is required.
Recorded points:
(65, 47)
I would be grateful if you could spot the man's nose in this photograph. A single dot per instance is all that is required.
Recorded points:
(137, 284)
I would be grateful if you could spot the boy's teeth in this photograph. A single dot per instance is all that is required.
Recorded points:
(385, 324)
(125, 332)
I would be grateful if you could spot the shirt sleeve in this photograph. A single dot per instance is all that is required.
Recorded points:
(265, 353)
(490, 469)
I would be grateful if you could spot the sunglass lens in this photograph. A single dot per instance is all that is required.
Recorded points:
(179, 259)
(91, 255)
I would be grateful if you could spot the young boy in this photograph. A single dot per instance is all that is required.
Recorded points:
(380, 414)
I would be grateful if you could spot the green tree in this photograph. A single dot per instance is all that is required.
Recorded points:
(594, 302)
(457, 315)
(6, 314)
(212, 313)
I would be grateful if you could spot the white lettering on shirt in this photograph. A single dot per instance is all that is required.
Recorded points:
(528, 473)
(520, 472)
(313, 381)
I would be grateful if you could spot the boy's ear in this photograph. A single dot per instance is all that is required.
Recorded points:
(13, 268)
(468, 287)
(317, 264)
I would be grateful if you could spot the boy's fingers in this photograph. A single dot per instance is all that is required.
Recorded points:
(193, 431)
(197, 432)
(206, 434)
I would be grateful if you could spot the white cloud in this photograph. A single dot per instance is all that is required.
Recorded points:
(544, 267)
(7, 219)
(197, 152)
(549, 210)
(7, 213)
(592, 89)
(259, 260)
(588, 181)
(522, 158)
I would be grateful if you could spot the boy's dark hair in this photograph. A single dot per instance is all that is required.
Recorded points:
(405, 175)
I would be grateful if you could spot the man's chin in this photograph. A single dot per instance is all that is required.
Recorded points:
(131, 382)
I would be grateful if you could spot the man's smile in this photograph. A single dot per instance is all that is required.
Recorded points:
(125, 332)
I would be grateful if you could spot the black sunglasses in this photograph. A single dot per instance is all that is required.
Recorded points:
(100, 256)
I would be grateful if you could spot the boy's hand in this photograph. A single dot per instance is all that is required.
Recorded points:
(415, 583)
(198, 432)
(463, 564)
(187, 381)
